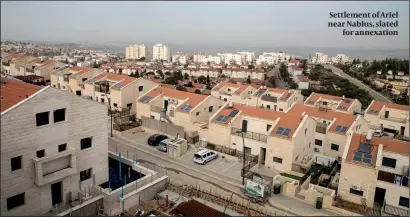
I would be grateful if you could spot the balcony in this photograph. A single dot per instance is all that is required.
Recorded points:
(321, 128)
(6, 63)
(269, 98)
(398, 120)
(156, 109)
(82, 86)
(396, 179)
(250, 135)
(52, 168)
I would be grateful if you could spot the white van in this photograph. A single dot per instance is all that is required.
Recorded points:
(204, 156)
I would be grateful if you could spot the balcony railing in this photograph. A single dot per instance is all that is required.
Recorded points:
(393, 178)
(102, 89)
(156, 109)
(250, 135)
(398, 120)
(6, 64)
(321, 130)
(269, 98)
(374, 127)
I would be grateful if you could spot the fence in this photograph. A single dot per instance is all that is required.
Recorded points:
(250, 135)
(86, 209)
(232, 152)
(160, 126)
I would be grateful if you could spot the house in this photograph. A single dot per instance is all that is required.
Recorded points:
(60, 78)
(54, 145)
(293, 62)
(302, 81)
(389, 117)
(335, 103)
(281, 140)
(44, 68)
(236, 93)
(16, 61)
(189, 110)
(274, 98)
(332, 130)
(116, 91)
(375, 171)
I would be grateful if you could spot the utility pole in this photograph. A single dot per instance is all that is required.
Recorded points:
(109, 102)
(244, 129)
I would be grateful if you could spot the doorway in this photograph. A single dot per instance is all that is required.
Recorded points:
(262, 156)
(401, 131)
(56, 193)
(78, 92)
(379, 195)
(386, 114)
(166, 105)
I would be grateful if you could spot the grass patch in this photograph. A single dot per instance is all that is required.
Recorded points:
(291, 176)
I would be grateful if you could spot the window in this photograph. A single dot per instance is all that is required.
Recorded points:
(129, 105)
(16, 163)
(42, 118)
(305, 131)
(86, 143)
(141, 88)
(277, 160)
(280, 110)
(268, 127)
(102, 100)
(229, 89)
(389, 162)
(404, 202)
(197, 113)
(334, 147)
(16, 201)
(211, 108)
(62, 147)
(54, 85)
(41, 153)
(356, 192)
(233, 143)
(318, 142)
(85, 174)
(268, 106)
(115, 105)
(59, 115)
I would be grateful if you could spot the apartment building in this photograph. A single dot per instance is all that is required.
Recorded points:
(17, 61)
(189, 110)
(392, 118)
(282, 141)
(134, 52)
(45, 68)
(195, 72)
(50, 149)
(161, 52)
(302, 81)
(334, 103)
(180, 57)
(248, 57)
(232, 58)
(254, 74)
(236, 93)
(293, 62)
(115, 90)
(332, 130)
(375, 171)
(274, 98)
(340, 58)
(320, 58)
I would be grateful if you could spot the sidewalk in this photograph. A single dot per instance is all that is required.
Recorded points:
(280, 202)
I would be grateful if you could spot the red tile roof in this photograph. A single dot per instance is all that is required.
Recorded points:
(15, 91)
(122, 79)
(377, 106)
(342, 119)
(303, 78)
(389, 145)
(294, 61)
(316, 96)
(81, 70)
(194, 99)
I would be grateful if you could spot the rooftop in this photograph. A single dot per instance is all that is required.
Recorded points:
(342, 119)
(376, 106)
(389, 145)
(196, 208)
(14, 91)
(122, 80)
(345, 103)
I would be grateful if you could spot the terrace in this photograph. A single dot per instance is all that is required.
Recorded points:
(398, 120)
(250, 135)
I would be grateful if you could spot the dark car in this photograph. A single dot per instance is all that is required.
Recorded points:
(155, 139)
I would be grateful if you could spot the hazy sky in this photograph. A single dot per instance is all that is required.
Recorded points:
(218, 23)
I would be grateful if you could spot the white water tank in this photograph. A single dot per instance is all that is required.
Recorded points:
(369, 135)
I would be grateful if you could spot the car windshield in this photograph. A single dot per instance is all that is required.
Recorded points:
(198, 156)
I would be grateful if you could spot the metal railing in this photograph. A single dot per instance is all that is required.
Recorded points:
(156, 109)
(393, 178)
(321, 130)
(250, 135)
(398, 120)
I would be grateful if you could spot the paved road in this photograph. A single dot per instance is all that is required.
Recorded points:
(377, 96)
(280, 83)
(208, 176)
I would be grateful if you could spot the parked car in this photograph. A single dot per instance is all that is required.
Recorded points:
(204, 156)
(155, 139)
(163, 145)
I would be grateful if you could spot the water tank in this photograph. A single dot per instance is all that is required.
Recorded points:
(230, 104)
(369, 135)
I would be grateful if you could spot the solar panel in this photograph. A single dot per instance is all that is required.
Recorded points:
(219, 118)
(146, 99)
(286, 132)
(372, 111)
(233, 113)
(279, 131)
(119, 85)
(187, 108)
(225, 118)
(342, 107)
(347, 100)
(341, 129)
(365, 148)
(338, 128)
(357, 156)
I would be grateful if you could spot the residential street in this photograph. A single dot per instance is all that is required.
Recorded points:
(280, 83)
(221, 174)
(377, 96)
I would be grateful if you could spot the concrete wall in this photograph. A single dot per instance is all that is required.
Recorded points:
(303, 143)
(162, 126)
(393, 192)
(128, 95)
(335, 138)
(365, 177)
(281, 148)
(21, 137)
(203, 109)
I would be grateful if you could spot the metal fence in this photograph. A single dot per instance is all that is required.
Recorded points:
(160, 126)
(250, 135)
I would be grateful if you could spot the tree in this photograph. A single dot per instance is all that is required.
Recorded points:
(208, 83)
(186, 76)
(201, 79)
(190, 84)
(197, 91)
(178, 76)
(171, 80)
(208, 63)
(248, 81)
(141, 59)
(168, 73)
(272, 81)
(161, 75)
(120, 71)
(283, 70)
(222, 76)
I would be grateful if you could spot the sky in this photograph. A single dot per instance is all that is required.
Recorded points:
(206, 23)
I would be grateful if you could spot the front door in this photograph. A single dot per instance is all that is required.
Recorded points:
(56, 193)
(262, 156)
(379, 195)
(402, 131)
(78, 92)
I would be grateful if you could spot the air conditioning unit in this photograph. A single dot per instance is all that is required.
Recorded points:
(356, 187)
(317, 150)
